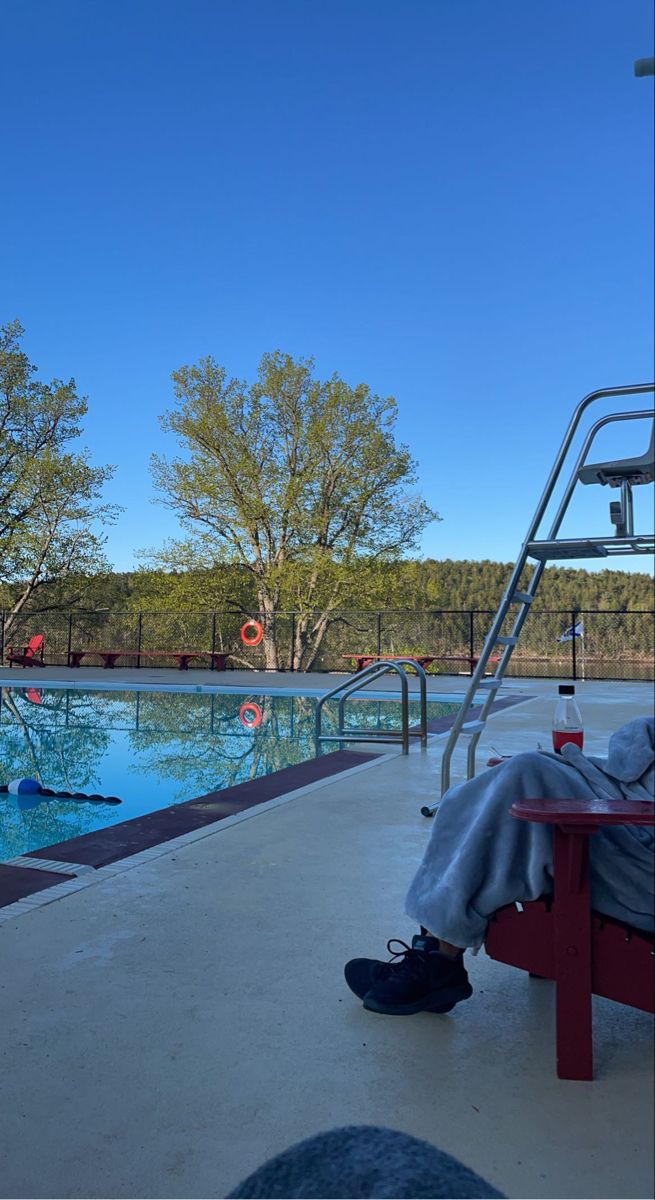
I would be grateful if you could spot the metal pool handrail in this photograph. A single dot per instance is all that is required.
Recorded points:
(348, 687)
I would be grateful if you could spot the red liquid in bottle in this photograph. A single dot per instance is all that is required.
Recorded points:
(561, 736)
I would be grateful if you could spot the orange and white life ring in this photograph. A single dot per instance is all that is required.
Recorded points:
(250, 715)
(252, 633)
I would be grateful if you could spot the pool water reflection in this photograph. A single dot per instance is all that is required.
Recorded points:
(151, 749)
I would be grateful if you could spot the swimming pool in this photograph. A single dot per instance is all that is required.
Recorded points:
(151, 749)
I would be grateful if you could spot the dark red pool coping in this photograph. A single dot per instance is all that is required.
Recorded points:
(442, 724)
(105, 846)
(18, 882)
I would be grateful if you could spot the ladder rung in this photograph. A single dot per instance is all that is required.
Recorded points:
(522, 598)
(472, 726)
(490, 683)
(507, 641)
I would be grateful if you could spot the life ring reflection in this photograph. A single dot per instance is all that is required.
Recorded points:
(250, 715)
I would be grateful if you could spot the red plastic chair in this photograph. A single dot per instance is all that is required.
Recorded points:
(30, 656)
(560, 938)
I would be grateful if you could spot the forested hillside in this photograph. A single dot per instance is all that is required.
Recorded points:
(410, 584)
(466, 584)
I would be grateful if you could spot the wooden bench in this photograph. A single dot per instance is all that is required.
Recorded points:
(560, 938)
(471, 659)
(424, 660)
(363, 660)
(109, 658)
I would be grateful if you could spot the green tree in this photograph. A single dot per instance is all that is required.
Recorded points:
(49, 492)
(228, 588)
(293, 478)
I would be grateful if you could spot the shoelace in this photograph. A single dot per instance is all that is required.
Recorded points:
(412, 960)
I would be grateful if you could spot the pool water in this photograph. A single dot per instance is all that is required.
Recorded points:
(150, 749)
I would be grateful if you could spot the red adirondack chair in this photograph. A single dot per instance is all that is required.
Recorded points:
(31, 654)
(560, 938)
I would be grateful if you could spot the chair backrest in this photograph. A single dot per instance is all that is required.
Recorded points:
(640, 469)
(34, 645)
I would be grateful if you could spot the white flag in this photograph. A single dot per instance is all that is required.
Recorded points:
(572, 632)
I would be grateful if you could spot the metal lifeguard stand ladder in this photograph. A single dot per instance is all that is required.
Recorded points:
(622, 474)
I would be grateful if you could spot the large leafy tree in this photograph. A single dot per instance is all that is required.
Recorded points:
(295, 479)
(50, 494)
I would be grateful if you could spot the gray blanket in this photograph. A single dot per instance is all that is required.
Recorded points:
(480, 858)
(629, 769)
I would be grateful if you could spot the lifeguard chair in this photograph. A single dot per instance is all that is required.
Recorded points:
(624, 474)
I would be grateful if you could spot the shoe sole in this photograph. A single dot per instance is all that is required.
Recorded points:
(440, 1002)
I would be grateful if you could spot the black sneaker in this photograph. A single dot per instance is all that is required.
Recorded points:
(363, 973)
(423, 981)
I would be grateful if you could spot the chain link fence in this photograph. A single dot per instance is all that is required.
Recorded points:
(607, 645)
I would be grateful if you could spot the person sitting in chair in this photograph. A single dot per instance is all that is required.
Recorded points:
(480, 858)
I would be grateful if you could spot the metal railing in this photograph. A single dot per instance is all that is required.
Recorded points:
(618, 643)
(350, 687)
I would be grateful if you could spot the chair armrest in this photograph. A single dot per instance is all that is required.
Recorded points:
(595, 812)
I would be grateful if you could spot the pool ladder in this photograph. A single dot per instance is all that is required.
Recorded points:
(349, 687)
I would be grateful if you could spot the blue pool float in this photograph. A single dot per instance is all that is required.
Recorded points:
(31, 787)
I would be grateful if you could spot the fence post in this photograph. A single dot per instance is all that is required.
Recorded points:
(274, 636)
(471, 639)
(574, 660)
(2, 636)
(292, 657)
(379, 635)
(213, 662)
(139, 626)
(69, 645)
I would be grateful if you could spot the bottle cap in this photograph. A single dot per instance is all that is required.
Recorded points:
(566, 689)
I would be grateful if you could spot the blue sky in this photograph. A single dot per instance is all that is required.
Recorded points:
(451, 201)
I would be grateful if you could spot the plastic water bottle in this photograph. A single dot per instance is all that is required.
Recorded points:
(567, 721)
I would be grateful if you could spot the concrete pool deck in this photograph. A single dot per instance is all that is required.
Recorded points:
(183, 1016)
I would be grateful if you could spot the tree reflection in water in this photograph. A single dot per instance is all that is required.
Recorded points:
(217, 749)
(58, 743)
(190, 744)
(200, 739)
(187, 744)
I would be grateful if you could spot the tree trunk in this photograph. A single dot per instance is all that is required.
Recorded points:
(309, 642)
(26, 733)
(299, 640)
(269, 644)
(10, 617)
